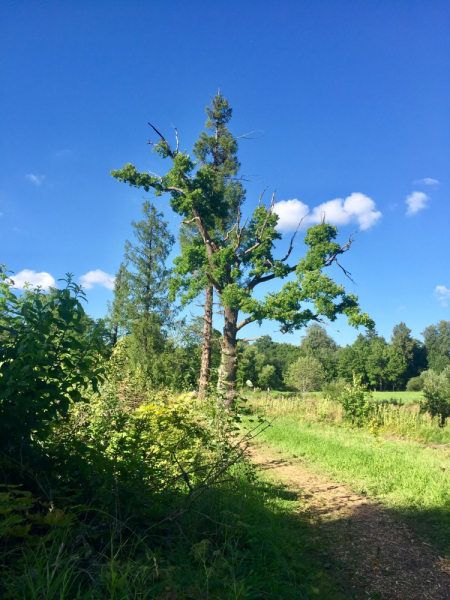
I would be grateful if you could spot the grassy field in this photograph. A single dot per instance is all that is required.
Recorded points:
(410, 479)
(392, 397)
(397, 397)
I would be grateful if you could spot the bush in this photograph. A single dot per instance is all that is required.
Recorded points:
(356, 402)
(415, 384)
(51, 353)
(334, 389)
(436, 392)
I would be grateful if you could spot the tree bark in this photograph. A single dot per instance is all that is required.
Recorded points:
(228, 366)
(205, 369)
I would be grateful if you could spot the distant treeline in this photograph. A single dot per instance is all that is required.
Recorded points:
(382, 365)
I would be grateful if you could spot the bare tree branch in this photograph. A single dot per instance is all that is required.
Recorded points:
(261, 196)
(190, 221)
(291, 245)
(245, 322)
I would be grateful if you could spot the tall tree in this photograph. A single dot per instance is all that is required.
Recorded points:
(437, 343)
(148, 308)
(118, 308)
(318, 343)
(413, 351)
(238, 259)
(216, 149)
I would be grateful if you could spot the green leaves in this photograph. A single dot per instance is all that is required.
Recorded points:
(49, 351)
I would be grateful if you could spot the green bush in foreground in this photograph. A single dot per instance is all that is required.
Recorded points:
(51, 354)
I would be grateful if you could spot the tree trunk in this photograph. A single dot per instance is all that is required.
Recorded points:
(228, 366)
(205, 369)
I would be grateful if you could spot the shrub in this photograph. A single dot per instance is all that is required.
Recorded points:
(356, 402)
(415, 384)
(333, 389)
(436, 392)
(50, 355)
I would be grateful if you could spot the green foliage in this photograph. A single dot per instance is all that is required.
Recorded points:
(236, 258)
(267, 377)
(436, 392)
(333, 389)
(318, 343)
(437, 343)
(50, 355)
(306, 374)
(415, 384)
(356, 402)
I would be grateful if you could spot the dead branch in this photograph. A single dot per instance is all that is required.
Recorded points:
(176, 137)
(291, 245)
(163, 140)
(228, 234)
(190, 221)
(261, 195)
(244, 136)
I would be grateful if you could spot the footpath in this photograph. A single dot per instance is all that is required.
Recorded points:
(381, 559)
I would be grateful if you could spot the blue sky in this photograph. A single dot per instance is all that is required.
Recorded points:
(350, 101)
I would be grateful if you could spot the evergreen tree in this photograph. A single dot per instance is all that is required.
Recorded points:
(118, 319)
(216, 149)
(147, 308)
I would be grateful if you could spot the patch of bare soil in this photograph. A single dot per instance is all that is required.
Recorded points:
(381, 556)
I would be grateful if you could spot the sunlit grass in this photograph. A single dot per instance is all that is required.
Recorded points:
(407, 477)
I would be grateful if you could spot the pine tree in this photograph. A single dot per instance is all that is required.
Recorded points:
(118, 309)
(148, 310)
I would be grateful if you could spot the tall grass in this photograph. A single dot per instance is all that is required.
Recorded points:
(411, 479)
(244, 540)
(387, 419)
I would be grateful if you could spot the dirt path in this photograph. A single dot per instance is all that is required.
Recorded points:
(383, 558)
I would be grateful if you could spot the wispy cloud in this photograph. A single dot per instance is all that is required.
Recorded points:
(442, 294)
(43, 279)
(356, 208)
(97, 277)
(416, 202)
(427, 181)
(1, 214)
(61, 153)
(36, 179)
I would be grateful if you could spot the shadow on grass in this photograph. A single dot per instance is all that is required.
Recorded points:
(383, 552)
(243, 540)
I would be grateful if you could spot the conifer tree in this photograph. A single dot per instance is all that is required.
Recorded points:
(236, 257)
(142, 295)
(118, 309)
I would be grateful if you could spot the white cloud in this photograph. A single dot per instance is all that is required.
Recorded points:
(36, 179)
(97, 277)
(289, 214)
(45, 280)
(427, 181)
(356, 208)
(443, 294)
(415, 202)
